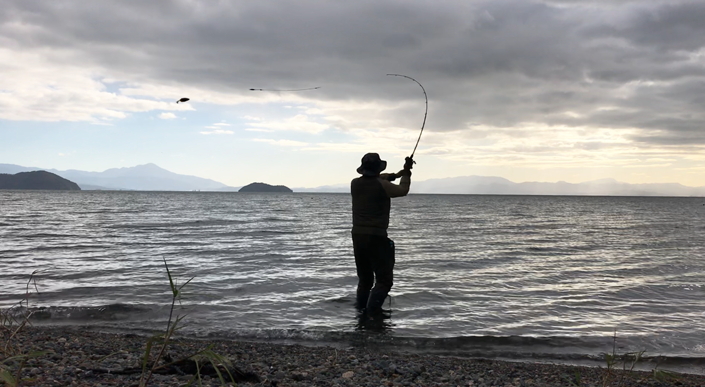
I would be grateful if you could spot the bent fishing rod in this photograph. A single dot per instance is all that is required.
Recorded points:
(425, 114)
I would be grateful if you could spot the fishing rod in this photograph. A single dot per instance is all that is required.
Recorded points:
(305, 89)
(425, 114)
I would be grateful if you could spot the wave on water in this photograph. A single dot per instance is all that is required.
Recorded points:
(77, 314)
(190, 223)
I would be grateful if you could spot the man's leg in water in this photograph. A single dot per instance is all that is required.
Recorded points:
(383, 266)
(364, 255)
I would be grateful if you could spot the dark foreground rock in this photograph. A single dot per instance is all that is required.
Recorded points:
(262, 187)
(80, 357)
(41, 180)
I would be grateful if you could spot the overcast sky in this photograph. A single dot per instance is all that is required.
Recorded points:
(526, 90)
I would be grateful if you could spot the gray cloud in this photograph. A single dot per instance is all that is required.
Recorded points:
(494, 62)
(672, 26)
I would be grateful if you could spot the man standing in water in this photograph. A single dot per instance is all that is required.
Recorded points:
(374, 252)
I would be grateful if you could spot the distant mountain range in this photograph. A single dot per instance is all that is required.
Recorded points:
(147, 177)
(501, 186)
(336, 188)
(490, 185)
(150, 177)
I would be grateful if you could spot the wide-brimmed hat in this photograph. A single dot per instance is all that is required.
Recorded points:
(372, 165)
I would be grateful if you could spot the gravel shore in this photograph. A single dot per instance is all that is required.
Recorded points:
(73, 356)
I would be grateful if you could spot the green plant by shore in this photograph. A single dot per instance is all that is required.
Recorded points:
(13, 320)
(220, 364)
(614, 376)
(13, 356)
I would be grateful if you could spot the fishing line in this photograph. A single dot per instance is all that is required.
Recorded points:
(425, 114)
(308, 88)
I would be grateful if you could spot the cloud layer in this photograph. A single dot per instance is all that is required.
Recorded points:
(545, 78)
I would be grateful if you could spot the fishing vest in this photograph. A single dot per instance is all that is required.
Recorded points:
(371, 205)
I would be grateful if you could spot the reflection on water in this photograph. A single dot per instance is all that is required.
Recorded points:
(380, 322)
(281, 265)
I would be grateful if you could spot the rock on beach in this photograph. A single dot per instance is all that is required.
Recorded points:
(75, 356)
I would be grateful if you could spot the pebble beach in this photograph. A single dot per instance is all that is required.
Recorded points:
(77, 356)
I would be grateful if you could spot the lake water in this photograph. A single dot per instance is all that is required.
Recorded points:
(506, 276)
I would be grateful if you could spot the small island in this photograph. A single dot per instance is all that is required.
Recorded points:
(262, 187)
(40, 180)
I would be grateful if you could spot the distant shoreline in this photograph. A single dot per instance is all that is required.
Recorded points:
(152, 177)
(347, 193)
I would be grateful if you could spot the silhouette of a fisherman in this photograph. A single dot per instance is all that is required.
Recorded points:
(374, 252)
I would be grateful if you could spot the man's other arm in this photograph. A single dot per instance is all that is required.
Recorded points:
(394, 190)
